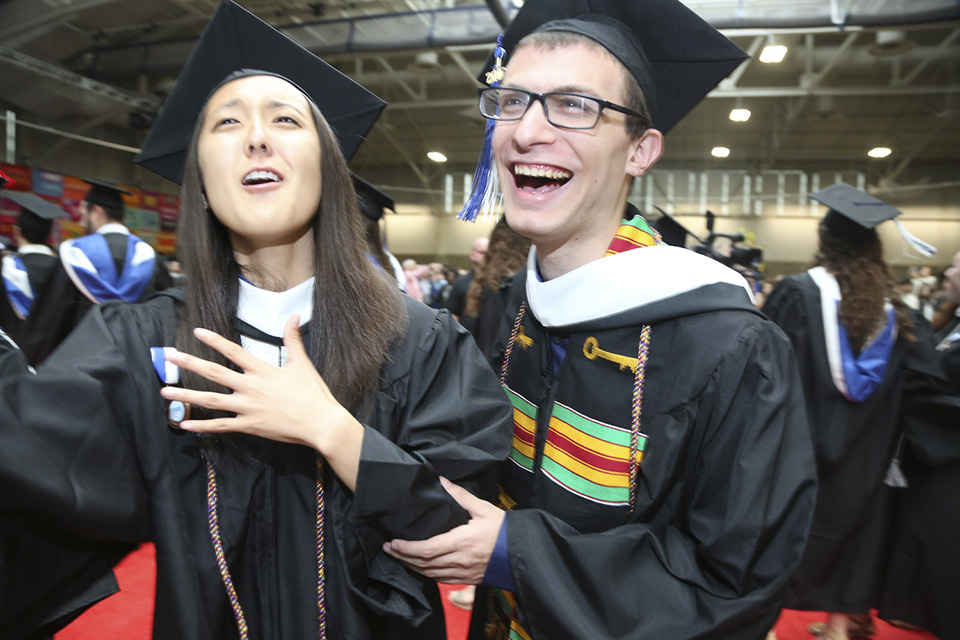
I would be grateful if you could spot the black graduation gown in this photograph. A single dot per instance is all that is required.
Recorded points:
(922, 584)
(85, 453)
(725, 488)
(40, 269)
(61, 306)
(842, 569)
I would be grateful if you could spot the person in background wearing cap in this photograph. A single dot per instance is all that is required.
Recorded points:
(269, 454)
(661, 478)
(27, 272)
(861, 354)
(109, 263)
(373, 204)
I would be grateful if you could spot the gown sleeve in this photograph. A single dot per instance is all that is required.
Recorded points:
(73, 502)
(718, 568)
(443, 413)
(66, 456)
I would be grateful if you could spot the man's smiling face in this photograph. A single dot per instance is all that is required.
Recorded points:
(564, 186)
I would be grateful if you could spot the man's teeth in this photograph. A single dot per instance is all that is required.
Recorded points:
(261, 176)
(539, 172)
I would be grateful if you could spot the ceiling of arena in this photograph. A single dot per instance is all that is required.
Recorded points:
(858, 74)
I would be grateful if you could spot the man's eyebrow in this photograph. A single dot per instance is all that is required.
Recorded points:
(572, 88)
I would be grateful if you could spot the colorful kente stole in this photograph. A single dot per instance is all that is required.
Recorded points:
(633, 233)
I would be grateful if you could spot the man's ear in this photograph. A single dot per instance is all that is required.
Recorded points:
(644, 152)
(97, 214)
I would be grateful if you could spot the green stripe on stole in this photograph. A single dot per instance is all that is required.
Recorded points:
(528, 410)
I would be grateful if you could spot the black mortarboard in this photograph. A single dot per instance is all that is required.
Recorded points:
(233, 41)
(675, 55)
(855, 205)
(31, 203)
(853, 214)
(372, 201)
(108, 196)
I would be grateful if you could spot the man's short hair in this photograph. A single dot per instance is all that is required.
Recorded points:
(113, 213)
(632, 94)
(33, 228)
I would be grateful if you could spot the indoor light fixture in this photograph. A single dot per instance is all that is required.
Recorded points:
(740, 114)
(773, 52)
(879, 152)
(436, 156)
(720, 152)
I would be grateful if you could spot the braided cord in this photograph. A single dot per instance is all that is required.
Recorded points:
(214, 525)
(643, 352)
(321, 601)
(513, 340)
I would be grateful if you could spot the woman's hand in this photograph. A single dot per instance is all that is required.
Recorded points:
(287, 404)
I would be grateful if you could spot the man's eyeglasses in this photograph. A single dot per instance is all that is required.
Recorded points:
(564, 110)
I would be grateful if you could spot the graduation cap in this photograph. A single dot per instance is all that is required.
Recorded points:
(854, 214)
(372, 201)
(234, 44)
(676, 57)
(105, 194)
(36, 215)
(32, 204)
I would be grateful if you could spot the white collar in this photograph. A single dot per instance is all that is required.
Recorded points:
(40, 249)
(620, 282)
(113, 227)
(269, 311)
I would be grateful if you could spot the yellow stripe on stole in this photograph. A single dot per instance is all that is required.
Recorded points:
(528, 425)
(583, 469)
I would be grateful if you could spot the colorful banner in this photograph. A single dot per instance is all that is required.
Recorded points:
(150, 214)
(47, 183)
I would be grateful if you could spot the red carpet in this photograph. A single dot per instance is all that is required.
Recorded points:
(129, 614)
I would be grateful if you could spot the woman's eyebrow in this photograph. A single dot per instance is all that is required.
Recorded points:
(280, 104)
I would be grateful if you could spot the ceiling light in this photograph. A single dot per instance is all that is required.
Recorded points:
(739, 114)
(425, 63)
(436, 156)
(891, 43)
(879, 152)
(773, 53)
(720, 152)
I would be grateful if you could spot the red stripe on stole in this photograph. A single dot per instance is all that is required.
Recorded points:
(521, 434)
(588, 456)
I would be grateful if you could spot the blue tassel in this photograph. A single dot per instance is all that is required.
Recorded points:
(485, 197)
(479, 194)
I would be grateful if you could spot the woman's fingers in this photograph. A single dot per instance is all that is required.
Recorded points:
(293, 341)
(228, 349)
(206, 399)
(210, 370)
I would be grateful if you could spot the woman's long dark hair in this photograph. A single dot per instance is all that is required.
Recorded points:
(357, 313)
(855, 258)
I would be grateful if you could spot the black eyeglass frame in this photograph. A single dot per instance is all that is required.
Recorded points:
(542, 99)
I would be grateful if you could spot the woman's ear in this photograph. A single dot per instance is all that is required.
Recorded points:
(644, 152)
